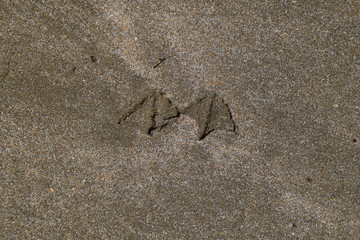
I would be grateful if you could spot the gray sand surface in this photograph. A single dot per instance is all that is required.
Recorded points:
(285, 73)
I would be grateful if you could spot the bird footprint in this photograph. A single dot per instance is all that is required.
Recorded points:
(154, 111)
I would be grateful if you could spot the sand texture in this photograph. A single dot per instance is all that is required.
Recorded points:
(179, 119)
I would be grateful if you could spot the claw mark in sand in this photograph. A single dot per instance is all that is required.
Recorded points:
(161, 60)
(7, 70)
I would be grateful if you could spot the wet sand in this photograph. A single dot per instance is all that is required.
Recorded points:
(288, 71)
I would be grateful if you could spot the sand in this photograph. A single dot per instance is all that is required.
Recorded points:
(288, 72)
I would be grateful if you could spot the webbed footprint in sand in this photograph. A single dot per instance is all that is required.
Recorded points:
(154, 111)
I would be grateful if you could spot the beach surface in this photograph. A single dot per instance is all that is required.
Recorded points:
(238, 119)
